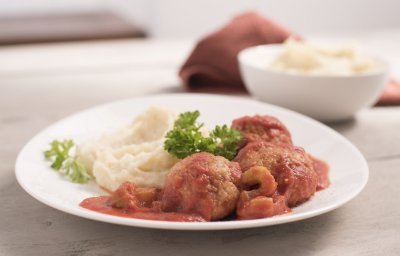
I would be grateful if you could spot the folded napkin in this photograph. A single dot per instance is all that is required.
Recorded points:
(390, 95)
(213, 67)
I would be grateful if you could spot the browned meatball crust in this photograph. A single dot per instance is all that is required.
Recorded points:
(291, 167)
(265, 128)
(204, 184)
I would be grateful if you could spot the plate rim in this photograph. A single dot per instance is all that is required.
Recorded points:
(216, 225)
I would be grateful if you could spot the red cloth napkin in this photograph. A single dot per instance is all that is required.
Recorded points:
(213, 67)
(390, 95)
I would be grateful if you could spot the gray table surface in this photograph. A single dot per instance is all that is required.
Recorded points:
(30, 101)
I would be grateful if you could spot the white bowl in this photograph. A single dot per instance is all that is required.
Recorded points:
(323, 97)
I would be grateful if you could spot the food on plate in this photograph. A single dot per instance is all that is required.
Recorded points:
(300, 57)
(202, 183)
(266, 128)
(66, 163)
(322, 170)
(189, 137)
(169, 167)
(259, 197)
(134, 153)
(135, 202)
(291, 167)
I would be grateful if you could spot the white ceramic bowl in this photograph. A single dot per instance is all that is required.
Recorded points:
(326, 98)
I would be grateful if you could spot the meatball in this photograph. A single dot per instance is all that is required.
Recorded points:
(291, 167)
(265, 128)
(202, 184)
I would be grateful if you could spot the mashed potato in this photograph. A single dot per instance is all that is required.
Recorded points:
(134, 153)
(302, 58)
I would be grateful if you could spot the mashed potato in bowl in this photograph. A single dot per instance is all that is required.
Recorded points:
(134, 153)
(299, 57)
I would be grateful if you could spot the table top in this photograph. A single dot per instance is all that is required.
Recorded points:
(44, 83)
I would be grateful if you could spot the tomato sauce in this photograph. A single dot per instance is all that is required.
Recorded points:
(322, 170)
(144, 203)
(103, 204)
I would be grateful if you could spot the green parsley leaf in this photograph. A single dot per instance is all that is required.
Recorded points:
(186, 138)
(64, 163)
(187, 120)
(226, 141)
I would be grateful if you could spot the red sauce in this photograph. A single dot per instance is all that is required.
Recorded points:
(322, 170)
(103, 204)
(145, 203)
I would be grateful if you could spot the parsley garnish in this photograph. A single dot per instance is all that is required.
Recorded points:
(64, 163)
(186, 138)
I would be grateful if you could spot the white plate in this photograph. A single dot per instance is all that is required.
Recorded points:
(349, 170)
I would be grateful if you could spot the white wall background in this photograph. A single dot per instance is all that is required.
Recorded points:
(193, 18)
